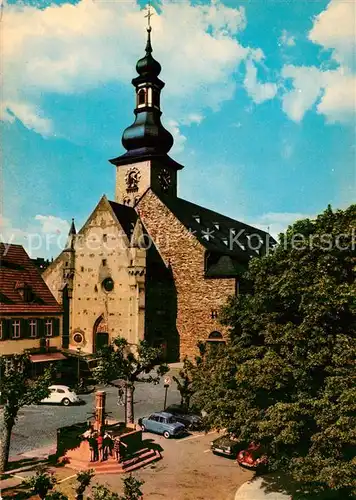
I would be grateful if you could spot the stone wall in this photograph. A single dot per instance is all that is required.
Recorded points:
(196, 296)
(102, 250)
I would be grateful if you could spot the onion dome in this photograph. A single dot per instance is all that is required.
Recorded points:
(148, 66)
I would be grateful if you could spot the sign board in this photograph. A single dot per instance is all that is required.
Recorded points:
(167, 381)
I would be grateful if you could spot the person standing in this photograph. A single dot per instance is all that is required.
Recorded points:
(122, 450)
(93, 446)
(117, 448)
(106, 446)
(99, 441)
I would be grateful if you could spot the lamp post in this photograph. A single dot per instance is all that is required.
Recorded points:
(78, 368)
(167, 383)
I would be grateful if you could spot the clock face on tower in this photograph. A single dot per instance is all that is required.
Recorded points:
(132, 178)
(165, 179)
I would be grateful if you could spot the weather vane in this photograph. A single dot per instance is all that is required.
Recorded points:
(149, 15)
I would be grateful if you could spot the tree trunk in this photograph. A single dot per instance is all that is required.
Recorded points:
(5, 445)
(130, 417)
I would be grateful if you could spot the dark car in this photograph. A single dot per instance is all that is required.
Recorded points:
(253, 457)
(189, 420)
(226, 445)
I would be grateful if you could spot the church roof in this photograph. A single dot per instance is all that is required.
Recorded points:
(17, 272)
(220, 234)
(127, 216)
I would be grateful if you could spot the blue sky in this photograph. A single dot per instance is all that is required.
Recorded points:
(260, 97)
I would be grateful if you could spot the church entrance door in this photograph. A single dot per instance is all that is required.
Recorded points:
(100, 334)
(101, 340)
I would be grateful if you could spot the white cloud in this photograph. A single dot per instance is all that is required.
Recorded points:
(286, 39)
(28, 114)
(43, 236)
(277, 222)
(332, 92)
(335, 28)
(179, 138)
(73, 48)
(52, 225)
(259, 92)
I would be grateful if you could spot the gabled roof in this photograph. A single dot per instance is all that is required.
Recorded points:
(16, 270)
(218, 233)
(127, 217)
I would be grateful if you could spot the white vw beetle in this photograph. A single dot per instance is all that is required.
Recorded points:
(61, 394)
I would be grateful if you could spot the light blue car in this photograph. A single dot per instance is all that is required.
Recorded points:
(162, 423)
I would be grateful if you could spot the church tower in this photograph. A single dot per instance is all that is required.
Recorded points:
(146, 163)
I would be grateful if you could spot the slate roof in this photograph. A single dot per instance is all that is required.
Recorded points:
(127, 216)
(18, 271)
(233, 241)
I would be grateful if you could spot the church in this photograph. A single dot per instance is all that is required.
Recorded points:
(150, 265)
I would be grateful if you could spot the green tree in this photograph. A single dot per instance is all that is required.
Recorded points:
(184, 383)
(17, 390)
(40, 484)
(132, 488)
(118, 361)
(101, 492)
(287, 377)
(83, 478)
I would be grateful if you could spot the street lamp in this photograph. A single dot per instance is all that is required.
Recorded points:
(79, 349)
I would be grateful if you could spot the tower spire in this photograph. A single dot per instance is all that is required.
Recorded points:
(146, 137)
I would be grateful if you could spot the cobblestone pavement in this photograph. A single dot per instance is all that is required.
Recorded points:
(37, 425)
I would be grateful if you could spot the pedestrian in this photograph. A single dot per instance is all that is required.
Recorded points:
(99, 441)
(93, 446)
(106, 446)
(117, 448)
(122, 450)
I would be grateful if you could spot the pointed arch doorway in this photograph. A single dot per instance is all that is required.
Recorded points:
(100, 334)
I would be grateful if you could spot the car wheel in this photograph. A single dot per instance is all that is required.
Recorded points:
(143, 428)
(65, 402)
(166, 434)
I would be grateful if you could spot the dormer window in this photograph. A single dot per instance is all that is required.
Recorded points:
(141, 97)
(196, 218)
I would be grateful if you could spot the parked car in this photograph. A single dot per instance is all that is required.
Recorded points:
(253, 457)
(61, 394)
(162, 423)
(226, 445)
(189, 420)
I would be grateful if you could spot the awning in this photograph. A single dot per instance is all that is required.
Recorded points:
(42, 358)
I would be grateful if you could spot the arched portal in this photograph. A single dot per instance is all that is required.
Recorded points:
(215, 339)
(100, 334)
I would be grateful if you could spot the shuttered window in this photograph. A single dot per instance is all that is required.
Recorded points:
(32, 323)
(49, 327)
(16, 329)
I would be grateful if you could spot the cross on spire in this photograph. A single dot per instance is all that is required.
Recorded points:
(149, 15)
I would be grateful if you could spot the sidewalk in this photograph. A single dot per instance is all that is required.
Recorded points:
(255, 490)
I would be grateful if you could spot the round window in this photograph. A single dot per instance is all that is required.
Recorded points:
(78, 338)
(108, 284)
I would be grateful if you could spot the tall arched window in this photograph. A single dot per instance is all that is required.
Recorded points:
(141, 97)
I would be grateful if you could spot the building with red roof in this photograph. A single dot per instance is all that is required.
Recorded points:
(30, 316)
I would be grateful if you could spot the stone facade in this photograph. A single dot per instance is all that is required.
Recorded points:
(102, 251)
(192, 298)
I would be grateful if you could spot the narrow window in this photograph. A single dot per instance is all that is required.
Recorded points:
(33, 328)
(104, 262)
(141, 97)
(214, 314)
(16, 329)
(49, 328)
(105, 238)
(82, 269)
